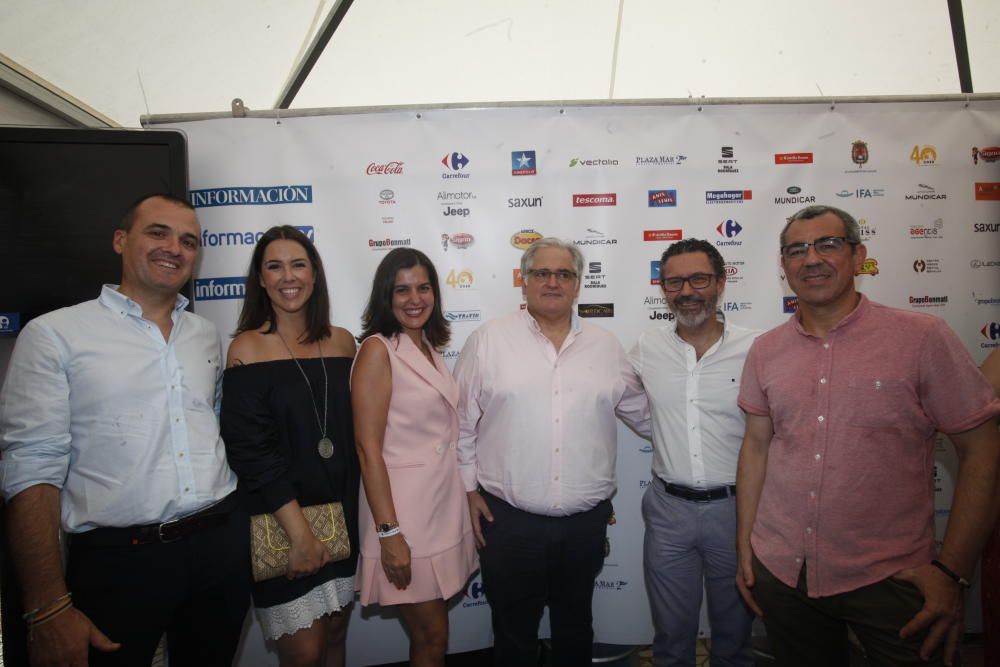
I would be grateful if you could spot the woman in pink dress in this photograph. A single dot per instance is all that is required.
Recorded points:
(417, 545)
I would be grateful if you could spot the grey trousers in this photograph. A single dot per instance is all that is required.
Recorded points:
(688, 544)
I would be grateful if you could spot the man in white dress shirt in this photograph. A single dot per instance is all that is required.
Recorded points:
(108, 420)
(691, 373)
(539, 391)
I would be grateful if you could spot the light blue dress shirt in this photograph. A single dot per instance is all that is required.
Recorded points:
(125, 423)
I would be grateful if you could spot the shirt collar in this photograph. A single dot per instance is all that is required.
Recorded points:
(575, 325)
(859, 311)
(124, 306)
(719, 316)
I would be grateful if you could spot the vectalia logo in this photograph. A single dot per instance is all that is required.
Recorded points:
(608, 199)
(252, 196)
(728, 196)
(219, 239)
(214, 289)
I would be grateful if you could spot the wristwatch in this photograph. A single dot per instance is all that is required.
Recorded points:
(386, 527)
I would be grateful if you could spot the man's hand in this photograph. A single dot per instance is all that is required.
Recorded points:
(478, 508)
(942, 613)
(65, 641)
(744, 578)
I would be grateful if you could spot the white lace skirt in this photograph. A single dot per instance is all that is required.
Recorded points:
(292, 616)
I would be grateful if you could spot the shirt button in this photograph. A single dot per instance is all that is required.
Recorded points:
(178, 419)
(186, 489)
(809, 530)
(556, 392)
(812, 494)
(826, 346)
(820, 418)
(822, 380)
(557, 450)
(557, 420)
(181, 455)
(798, 560)
(817, 457)
(557, 478)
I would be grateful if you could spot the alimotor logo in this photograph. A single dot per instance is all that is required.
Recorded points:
(215, 289)
(252, 196)
(606, 199)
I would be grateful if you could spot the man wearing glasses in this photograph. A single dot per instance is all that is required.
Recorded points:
(691, 372)
(538, 393)
(835, 483)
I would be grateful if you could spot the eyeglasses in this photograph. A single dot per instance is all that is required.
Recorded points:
(697, 280)
(826, 245)
(562, 275)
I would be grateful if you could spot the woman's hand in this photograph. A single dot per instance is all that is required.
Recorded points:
(396, 560)
(306, 556)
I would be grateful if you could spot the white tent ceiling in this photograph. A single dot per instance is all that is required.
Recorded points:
(126, 58)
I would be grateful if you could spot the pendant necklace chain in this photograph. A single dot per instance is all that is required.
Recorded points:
(325, 445)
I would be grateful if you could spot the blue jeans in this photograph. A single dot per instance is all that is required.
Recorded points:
(689, 545)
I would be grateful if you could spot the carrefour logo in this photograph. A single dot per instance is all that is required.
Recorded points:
(225, 239)
(252, 196)
(475, 593)
(213, 289)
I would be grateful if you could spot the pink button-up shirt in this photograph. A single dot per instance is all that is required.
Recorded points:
(536, 424)
(849, 483)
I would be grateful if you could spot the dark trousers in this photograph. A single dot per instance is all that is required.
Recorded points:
(813, 631)
(196, 590)
(531, 561)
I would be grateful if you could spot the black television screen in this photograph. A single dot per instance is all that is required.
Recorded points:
(62, 195)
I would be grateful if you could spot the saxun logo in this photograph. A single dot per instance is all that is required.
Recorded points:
(252, 196)
(214, 289)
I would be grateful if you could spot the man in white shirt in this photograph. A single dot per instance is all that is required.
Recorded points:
(108, 418)
(539, 391)
(691, 373)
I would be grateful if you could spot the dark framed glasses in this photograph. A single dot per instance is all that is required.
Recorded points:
(697, 281)
(826, 245)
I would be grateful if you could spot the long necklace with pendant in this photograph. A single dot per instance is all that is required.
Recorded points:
(325, 445)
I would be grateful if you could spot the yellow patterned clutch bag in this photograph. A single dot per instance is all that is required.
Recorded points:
(269, 543)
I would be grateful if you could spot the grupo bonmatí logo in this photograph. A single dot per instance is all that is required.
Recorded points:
(225, 239)
(252, 196)
(214, 289)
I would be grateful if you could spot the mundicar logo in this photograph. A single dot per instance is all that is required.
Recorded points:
(252, 196)
(213, 289)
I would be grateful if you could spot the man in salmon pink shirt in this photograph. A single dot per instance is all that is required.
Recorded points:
(835, 492)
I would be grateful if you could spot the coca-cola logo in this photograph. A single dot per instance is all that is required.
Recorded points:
(394, 167)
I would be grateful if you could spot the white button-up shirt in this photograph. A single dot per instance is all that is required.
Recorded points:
(697, 425)
(537, 425)
(99, 405)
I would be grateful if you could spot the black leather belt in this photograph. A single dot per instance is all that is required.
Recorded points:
(162, 533)
(699, 495)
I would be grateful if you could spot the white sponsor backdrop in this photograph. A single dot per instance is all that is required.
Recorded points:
(916, 196)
